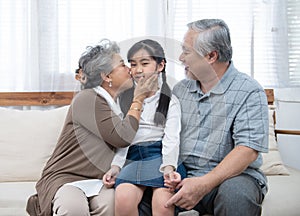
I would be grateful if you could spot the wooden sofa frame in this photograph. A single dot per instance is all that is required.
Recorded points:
(59, 98)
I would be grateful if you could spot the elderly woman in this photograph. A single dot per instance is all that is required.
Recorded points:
(94, 127)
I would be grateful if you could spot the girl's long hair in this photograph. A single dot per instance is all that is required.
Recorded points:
(156, 52)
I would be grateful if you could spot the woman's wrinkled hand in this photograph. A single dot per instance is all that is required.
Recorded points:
(109, 178)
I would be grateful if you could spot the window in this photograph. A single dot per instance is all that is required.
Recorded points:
(41, 41)
(264, 47)
(293, 32)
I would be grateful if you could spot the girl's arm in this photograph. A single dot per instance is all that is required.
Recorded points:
(109, 178)
(120, 157)
(171, 138)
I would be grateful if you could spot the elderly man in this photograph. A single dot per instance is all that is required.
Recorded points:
(224, 127)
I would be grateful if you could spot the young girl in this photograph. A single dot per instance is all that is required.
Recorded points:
(153, 154)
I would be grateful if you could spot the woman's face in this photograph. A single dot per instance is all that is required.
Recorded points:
(143, 65)
(120, 75)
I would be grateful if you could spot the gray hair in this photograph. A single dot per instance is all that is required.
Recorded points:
(213, 35)
(97, 60)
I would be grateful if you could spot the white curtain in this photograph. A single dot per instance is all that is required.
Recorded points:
(18, 52)
(258, 33)
(42, 40)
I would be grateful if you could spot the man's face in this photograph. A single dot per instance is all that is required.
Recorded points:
(196, 66)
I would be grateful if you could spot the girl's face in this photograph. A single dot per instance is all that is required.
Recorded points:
(143, 65)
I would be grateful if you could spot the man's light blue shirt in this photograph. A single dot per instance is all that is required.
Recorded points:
(234, 112)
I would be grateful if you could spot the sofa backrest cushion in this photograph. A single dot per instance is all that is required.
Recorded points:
(27, 140)
(272, 162)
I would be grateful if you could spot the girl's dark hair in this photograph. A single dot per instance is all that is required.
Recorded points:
(156, 51)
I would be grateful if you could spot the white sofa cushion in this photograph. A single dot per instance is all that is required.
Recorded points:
(27, 139)
(13, 197)
(284, 195)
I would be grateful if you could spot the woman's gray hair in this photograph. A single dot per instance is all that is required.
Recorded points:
(213, 35)
(97, 60)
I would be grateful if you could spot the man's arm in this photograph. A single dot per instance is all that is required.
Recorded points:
(233, 164)
(192, 190)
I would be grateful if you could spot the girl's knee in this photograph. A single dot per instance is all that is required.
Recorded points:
(160, 197)
(162, 210)
(127, 198)
(124, 200)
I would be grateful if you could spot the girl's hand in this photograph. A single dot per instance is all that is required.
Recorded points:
(109, 178)
(171, 178)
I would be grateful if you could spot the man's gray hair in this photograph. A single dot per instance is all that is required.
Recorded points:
(213, 35)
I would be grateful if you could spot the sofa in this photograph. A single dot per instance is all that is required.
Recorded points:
(28, 137)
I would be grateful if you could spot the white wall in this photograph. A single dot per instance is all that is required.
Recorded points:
(287, 103)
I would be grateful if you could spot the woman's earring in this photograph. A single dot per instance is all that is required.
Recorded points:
(109, 84)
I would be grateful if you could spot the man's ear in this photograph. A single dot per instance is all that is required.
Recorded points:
(212, 56)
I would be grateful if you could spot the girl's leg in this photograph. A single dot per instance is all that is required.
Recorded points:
(70, 200)
(127, 199)
(159, 198)
(104, 203)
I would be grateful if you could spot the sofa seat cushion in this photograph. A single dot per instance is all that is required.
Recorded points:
(13, 197)
(283, 197)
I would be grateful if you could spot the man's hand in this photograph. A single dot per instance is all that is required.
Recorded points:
(191, 191)
(109, 178)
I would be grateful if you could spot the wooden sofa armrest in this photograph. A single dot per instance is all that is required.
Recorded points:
(271, 98)
(35, 98)
(287, 132)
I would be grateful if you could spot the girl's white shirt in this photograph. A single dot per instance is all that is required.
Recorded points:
(149, 131)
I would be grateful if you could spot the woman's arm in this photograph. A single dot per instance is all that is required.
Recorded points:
(92, 112)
